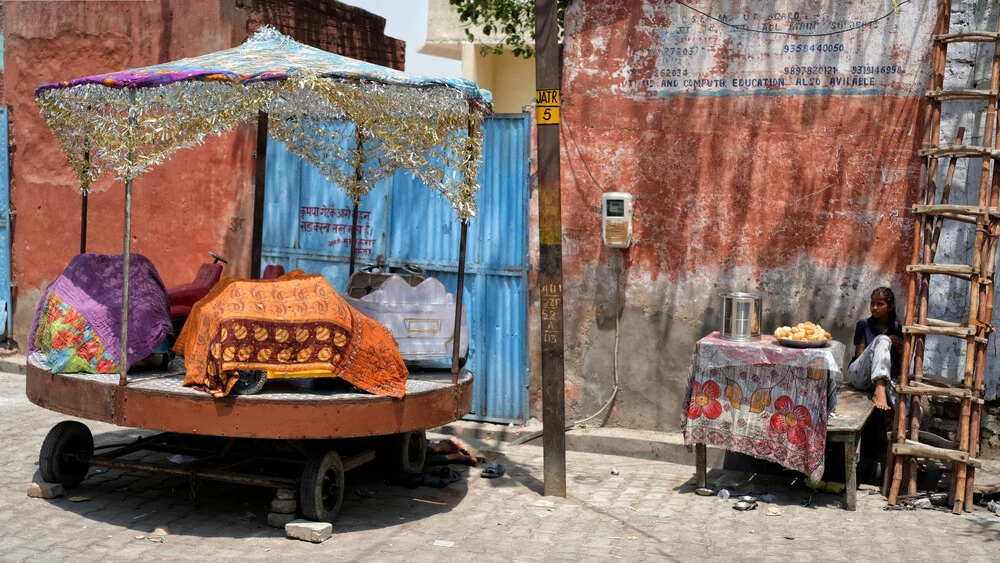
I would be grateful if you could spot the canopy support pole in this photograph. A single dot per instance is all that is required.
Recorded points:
(83, 207)
(457, 342)
(456, 346)
(260, 165)
(127, 251)
(358, 171)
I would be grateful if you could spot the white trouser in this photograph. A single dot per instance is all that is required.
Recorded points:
(874, 363)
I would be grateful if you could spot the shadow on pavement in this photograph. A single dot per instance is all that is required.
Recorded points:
(144, 501)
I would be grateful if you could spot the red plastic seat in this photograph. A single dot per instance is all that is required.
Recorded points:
(183, 297)
(272, 271)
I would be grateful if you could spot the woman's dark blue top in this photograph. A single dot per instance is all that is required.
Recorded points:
(866, 331)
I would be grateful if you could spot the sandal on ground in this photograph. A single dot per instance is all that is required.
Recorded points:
(492, 471)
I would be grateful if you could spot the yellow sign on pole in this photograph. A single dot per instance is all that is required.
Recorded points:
(547, 107)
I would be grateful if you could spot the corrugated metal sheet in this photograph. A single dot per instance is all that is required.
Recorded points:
(405, 222)
(5, 276)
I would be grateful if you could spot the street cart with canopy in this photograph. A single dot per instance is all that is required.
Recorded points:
(128, 122)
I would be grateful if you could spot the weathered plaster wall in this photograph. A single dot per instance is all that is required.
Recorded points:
(797, 190)
(201, 199)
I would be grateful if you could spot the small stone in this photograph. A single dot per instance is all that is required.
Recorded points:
(316, 532)
(45, 490)
(276, 520)
(284, 506)
(922, 503)
(160, 531)
(286, 494)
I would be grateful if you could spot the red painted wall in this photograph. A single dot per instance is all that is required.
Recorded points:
(788, 195)
(201, 199)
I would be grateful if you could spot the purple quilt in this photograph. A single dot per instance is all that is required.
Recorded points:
(81, 310)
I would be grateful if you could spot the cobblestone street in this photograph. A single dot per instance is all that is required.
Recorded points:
(646, 512)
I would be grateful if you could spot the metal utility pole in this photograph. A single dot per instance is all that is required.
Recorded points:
(548, 75)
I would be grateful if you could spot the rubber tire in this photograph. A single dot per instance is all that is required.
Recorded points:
(317, 502)
(250, 383)
(403, 453)
(67, 437)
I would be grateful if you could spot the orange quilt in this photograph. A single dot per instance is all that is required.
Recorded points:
(294, 323)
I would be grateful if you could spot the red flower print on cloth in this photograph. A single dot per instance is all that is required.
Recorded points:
(72, 317)
(88, 351)
(703, 400)
(105, 366)
(66, 339)
(54, 312)
(791, 419)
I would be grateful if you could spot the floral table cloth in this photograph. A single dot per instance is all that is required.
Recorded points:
(763, 399)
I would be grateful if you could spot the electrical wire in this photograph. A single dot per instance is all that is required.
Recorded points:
(791, 33)
(614, 392)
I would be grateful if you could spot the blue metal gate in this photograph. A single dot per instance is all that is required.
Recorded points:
(5, 276)
(307, 225)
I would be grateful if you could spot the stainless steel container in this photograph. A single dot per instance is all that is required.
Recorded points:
(740, 317)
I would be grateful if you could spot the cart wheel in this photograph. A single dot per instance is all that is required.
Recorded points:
(250, 382)
(322, 490)
(404, 452)
(68, 438)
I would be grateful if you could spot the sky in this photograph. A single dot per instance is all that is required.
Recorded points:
(407, 20)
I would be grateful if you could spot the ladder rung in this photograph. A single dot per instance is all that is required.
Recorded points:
(968, 37)
(967, 94)
(917, 388)
(957, 332)
(962, 209)
(949, 269)
(960, 270)
(923, 450)
(938, 322)
(961, 151)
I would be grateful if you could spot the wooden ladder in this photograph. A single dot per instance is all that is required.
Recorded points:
(985, 216)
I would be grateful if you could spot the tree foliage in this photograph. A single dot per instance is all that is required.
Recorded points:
(504, 23)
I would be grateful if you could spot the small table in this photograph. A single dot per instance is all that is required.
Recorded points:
(763, 399)
(853, 410)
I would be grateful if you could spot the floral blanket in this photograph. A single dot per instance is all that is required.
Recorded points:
(295, 323)
(77, 325)
(763, 400)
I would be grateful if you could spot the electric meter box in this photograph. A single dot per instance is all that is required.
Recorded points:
(616, 219)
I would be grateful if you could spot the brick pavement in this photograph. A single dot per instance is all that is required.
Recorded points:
(647, 512)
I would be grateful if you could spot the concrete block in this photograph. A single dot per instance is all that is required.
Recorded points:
(277, 520)
(284, 506)
(286, 494)
(316, 532)
(45, 490)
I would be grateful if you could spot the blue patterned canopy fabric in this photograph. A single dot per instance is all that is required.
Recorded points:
(268, 55)
(356, 122)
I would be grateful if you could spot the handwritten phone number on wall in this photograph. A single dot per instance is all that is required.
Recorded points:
(889, 69)
(809, 70)
(813, 48)
(680, 51)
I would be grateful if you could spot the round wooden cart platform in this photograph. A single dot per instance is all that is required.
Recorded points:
(297, 434)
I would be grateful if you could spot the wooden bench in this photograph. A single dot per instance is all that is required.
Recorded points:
(853, 410)
(844, 425)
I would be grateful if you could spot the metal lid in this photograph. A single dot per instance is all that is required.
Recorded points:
(742, 295)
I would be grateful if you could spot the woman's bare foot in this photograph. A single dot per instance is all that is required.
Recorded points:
(880, 397)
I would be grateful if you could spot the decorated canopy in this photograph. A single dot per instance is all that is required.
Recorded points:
(324, 107)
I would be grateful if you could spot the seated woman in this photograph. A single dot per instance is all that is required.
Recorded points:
(877, 342)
